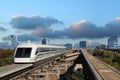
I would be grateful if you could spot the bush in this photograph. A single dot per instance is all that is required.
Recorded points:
(98, 52)
(78, 75)
(6, 57)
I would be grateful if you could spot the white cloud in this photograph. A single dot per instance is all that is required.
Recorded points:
(18, 15)
(77, 24)
(117, 18)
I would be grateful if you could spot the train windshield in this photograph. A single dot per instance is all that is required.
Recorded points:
(23, 52)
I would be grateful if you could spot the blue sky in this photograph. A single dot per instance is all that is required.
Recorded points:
(60, 18)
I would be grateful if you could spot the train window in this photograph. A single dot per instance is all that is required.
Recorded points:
(53, 49)
(45, 49)
(38, 51)
(23, 52)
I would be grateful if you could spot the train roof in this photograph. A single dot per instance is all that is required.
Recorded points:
(39, 45)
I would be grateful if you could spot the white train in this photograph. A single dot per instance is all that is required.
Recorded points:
(30, 53)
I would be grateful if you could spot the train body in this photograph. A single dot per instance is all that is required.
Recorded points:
(31, 53)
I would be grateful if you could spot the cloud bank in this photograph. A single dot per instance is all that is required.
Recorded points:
(86, 29)
(41, 27)
(27, 23)
(3, 29)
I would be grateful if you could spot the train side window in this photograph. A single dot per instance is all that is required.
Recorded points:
(38, 51)
(53, 49)
(45, 49)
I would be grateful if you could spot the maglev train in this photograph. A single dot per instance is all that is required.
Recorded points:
(31, 52)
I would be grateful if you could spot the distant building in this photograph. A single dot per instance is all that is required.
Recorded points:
(14, 41)
(113, 42)
(68, 45)
(45, 41)
(82, 44)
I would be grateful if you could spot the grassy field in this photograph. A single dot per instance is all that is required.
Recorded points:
(6, 57)
(109, 57)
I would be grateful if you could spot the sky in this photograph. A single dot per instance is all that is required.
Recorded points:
(62, 21)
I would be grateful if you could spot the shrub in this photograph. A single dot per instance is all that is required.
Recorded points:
(6, 57)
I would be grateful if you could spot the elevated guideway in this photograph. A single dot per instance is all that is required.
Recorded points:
(73, 54)
(7, 72)
(101, 70)
(98, 70)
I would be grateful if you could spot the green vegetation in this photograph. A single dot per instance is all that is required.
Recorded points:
(111, 58)
(6, 57)
(78, 75)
